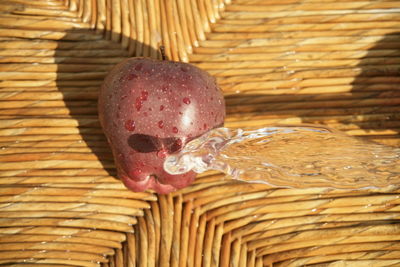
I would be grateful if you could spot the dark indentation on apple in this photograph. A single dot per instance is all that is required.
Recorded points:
(143, 143)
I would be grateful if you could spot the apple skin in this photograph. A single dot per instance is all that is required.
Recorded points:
(151, 108)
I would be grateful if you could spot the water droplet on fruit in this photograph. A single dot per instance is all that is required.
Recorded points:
(161, 107)
(184, 69)
(186, 100)
(138, 103)
(174, 130)
(162, 153)
(130, 125)
(144, 95)
(160, 124)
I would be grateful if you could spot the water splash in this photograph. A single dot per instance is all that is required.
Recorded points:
(291, 156)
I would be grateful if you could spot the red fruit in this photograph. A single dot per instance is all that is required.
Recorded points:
(149, 109)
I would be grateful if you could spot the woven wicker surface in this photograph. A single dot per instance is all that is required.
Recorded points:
(333, 62)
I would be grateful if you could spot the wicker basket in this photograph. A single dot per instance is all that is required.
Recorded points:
(332, 62)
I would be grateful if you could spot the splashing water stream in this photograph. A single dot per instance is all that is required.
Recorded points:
(291, 156)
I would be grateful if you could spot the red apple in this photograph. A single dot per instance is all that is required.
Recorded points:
(151, 108)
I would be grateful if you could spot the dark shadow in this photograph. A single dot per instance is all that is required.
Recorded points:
(372, 103)
(379, 85)
(83, 58)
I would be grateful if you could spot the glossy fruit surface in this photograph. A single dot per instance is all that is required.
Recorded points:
(149, 109)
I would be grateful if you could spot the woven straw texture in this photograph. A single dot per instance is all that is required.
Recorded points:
(332, 62)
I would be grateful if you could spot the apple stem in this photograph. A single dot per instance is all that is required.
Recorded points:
(162, 51)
